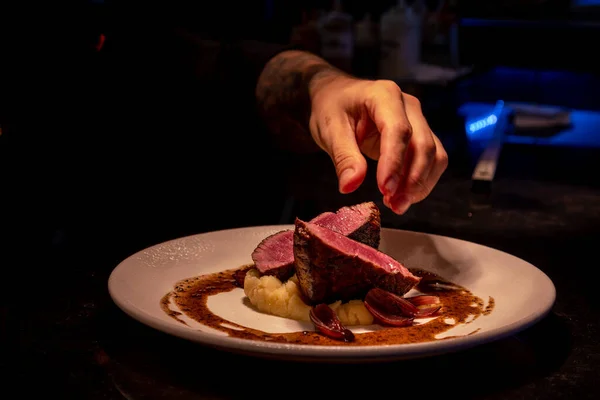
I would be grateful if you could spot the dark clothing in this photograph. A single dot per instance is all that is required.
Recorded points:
(156, 136)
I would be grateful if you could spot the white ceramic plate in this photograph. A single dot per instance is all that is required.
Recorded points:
(523, 294)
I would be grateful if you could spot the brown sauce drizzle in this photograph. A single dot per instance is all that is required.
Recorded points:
(490, 307)
(164, 304)
(191, 295)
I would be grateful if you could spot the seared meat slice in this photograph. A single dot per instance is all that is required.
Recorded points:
(275, 255)
(331, 266)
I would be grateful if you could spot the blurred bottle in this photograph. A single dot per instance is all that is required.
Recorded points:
(306, 34)
(337, 39)
(366, 54)
(442, 33)
(452, 15)
(400, 32)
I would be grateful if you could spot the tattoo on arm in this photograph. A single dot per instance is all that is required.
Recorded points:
(283, 94)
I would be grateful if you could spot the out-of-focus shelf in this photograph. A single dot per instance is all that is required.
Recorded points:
(430, 74)
(528, 23)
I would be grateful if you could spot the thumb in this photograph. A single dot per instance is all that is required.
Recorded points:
(350, 164)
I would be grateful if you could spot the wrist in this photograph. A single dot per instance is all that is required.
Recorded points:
(325, 79)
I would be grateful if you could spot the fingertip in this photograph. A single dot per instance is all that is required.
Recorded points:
(382, 177)
(391, 184)
(391, 171)
(350, 179)
(400, 203)
(386, 202)
(345, 179)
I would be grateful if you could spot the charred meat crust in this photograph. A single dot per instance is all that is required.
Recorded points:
(368, 233)
(327, 274)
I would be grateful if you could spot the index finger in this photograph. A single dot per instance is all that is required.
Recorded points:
(386, 108)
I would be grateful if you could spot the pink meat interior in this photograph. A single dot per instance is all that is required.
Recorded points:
(277, 251)
(352, 247)
(346, 220)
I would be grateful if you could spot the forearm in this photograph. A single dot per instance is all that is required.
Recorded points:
(284, 92)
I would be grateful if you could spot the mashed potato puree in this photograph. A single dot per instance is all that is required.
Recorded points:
(283, 299)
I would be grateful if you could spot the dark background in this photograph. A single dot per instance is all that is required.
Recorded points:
(61, 334)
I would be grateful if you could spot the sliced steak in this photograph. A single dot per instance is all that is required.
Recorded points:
(275, 254)
(331, 267)
(361, 222)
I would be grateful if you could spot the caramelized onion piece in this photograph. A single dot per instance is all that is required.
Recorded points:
(390, 303)
(395, 310)
(424, 300)
(388, 319)
(428, 305)
(327, 322)
(428, 311)
(386, 307)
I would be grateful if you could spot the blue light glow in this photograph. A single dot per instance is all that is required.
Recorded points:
(482, 123)
(583, 3)
(584, 132)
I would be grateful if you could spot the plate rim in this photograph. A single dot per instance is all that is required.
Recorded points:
(332, 353)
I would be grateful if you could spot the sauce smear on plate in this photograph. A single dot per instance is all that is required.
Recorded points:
(460, 306)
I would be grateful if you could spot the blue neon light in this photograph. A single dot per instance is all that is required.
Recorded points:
(488, 119)
(482, 123)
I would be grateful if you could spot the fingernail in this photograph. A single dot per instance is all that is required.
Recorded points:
(386, 201)
(345, 178)
(401, 204)
(391, 185)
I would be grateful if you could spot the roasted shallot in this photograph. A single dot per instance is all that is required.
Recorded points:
(391, 309)
(327, 322)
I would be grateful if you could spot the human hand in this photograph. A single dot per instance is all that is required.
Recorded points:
(352, 118)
